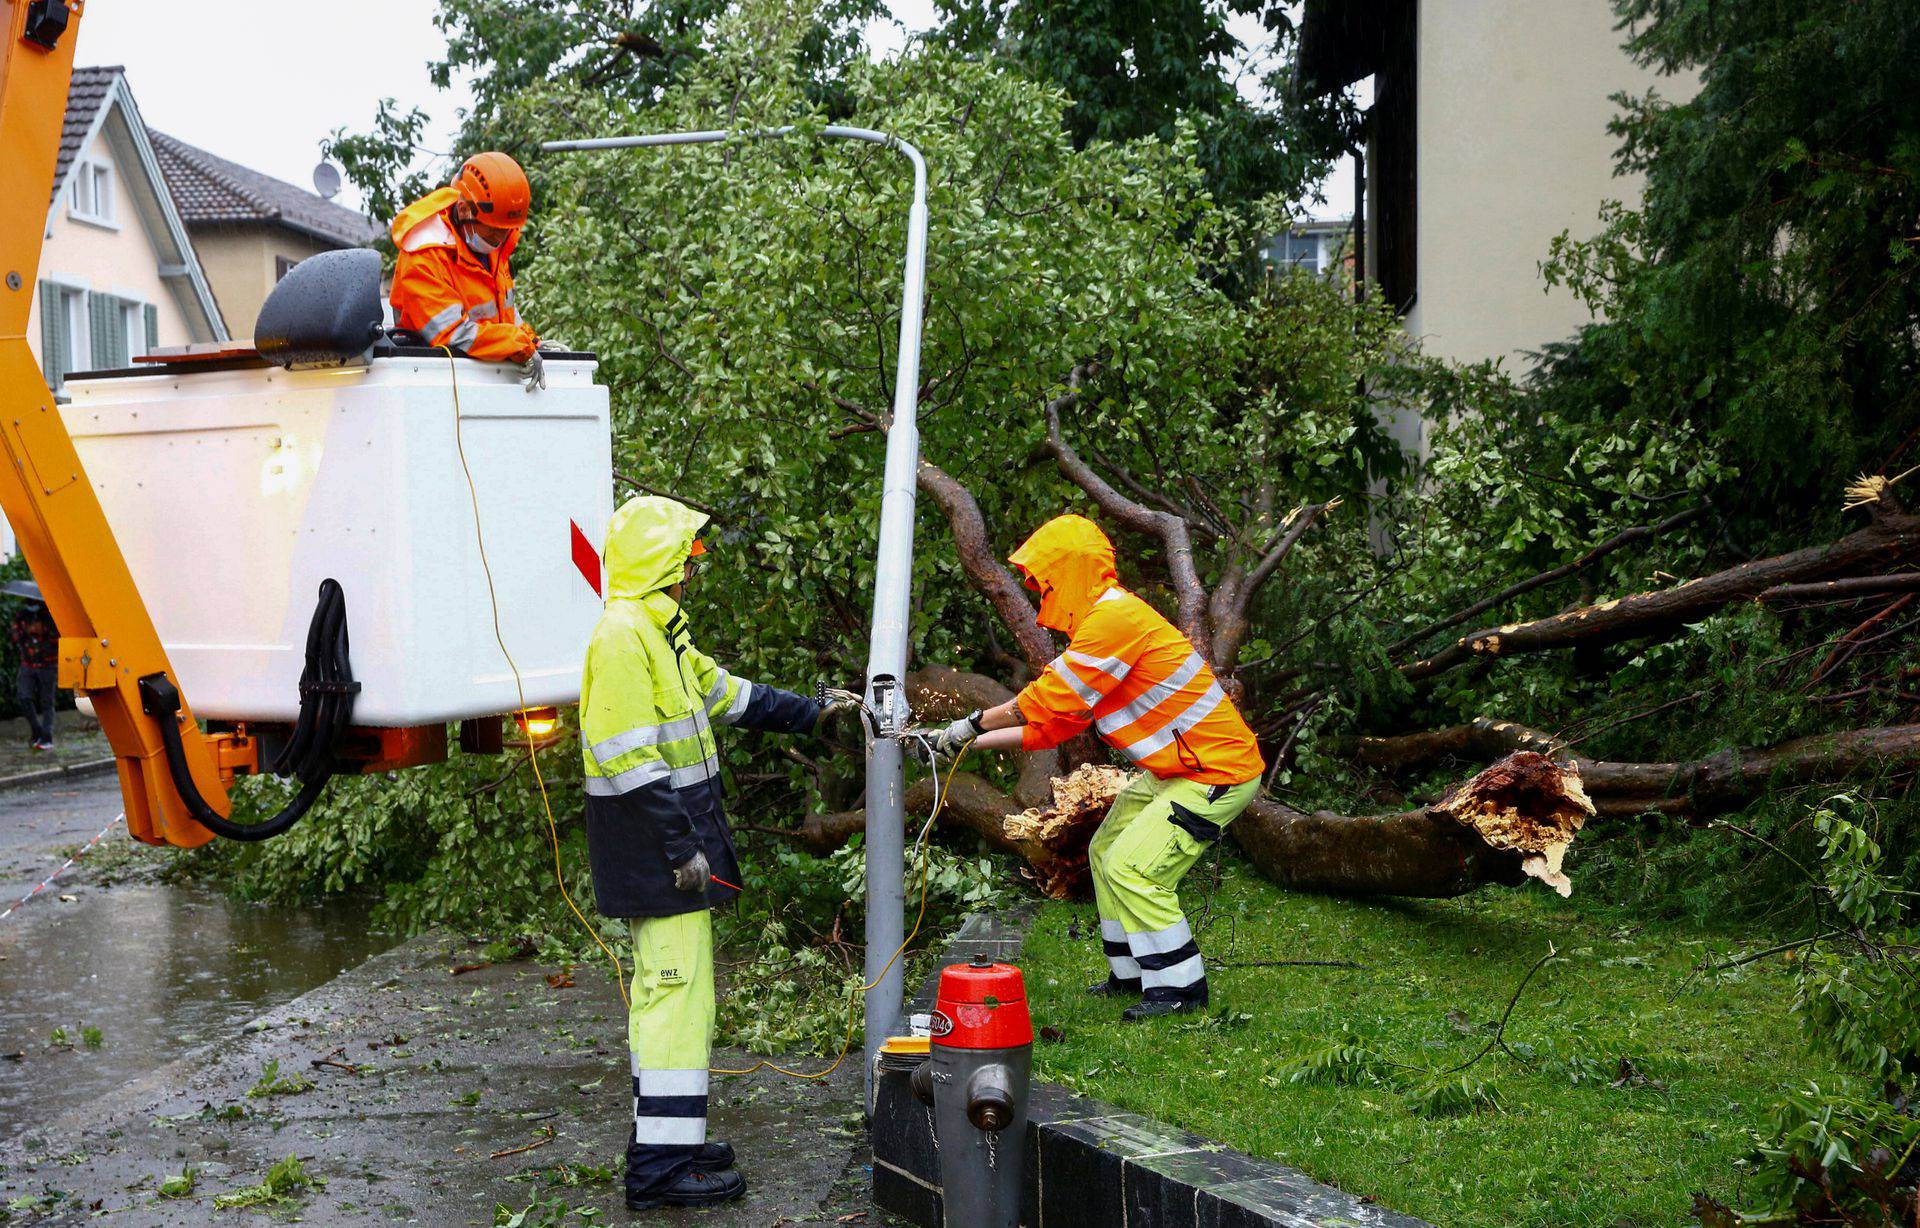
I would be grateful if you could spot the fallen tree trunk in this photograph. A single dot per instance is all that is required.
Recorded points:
(1514, 819)
(1893, 537)
(1694, 789)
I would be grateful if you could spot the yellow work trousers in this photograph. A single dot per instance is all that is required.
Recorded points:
(669, 1036)
(1150, 838)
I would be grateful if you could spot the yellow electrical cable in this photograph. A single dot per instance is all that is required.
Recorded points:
(853, 1000)
(533, 751)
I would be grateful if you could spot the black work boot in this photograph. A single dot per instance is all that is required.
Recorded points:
(693, 1188)
(1153, 1008)
(1115, 987)
(714, 1157)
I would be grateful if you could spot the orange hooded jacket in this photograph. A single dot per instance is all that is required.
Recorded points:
(448, 293)
(1127, 671)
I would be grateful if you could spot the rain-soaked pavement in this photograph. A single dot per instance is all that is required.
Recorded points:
(436, 1097)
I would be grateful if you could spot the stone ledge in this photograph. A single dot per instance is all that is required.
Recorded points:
(1091, 1165)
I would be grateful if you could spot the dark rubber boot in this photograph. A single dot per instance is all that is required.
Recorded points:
(1114, 987)
(693, 1189)
(1153, 1008)
(713, 1157)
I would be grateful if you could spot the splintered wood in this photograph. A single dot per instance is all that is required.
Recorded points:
(1526, 804)
(1066, 824)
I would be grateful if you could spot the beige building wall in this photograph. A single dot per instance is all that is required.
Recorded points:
(242, 266)
(1514, 97)
(117, 259)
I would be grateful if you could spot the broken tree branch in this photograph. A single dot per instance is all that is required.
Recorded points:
(1893, 537)
(1551, 575)
(1696, 788)
(1852, 586)
(1190, 596)
(984, 570)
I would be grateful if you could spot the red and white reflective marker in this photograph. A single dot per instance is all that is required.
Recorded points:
(586, 558)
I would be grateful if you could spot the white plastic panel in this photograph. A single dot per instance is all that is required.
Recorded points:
(233, 494)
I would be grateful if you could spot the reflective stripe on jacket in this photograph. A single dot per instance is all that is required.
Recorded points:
(1127, 671)
(451, 295)
(648, 702)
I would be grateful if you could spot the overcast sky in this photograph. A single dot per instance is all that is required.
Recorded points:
(262, 83)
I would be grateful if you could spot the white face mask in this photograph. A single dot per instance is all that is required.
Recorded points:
(479, 244)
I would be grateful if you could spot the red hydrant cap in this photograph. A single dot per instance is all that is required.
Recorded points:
(982, 1006)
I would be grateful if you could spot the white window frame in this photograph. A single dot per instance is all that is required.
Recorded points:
(133, 320)
(94, 206)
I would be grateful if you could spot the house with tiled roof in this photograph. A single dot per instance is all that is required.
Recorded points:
(251, 228)
(118, 271)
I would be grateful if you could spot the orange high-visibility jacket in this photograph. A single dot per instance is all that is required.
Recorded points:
(449, 294)
(1127, 671)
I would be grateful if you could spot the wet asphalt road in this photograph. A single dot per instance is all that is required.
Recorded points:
(428, 1088)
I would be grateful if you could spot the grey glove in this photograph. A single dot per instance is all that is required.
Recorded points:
(533, 371)
(956, 737)
(550, 346)
(692, 874)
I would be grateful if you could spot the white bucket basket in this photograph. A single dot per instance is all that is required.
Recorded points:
(234, 493)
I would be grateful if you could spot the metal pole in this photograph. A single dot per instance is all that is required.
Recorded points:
(892, 587)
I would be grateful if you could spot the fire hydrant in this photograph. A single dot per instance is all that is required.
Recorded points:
(981, 1063)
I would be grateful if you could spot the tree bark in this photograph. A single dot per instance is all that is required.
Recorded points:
(1893, 537)
(984, 569)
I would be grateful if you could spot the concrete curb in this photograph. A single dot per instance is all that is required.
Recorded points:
(68, 771)
(1091, 1165)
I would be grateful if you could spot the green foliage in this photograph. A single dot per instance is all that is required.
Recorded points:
(283, 1183)
(1133, 70)
(181, 1184)
(1767, 291)
(1831, 1154)
(273, 1083)
(505, 50)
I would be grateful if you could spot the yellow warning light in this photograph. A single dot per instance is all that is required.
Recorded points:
(537, 727)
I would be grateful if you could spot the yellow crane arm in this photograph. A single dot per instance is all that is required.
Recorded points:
(107, 638)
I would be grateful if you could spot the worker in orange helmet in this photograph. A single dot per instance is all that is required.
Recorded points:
(1132, 676)
(453, 280)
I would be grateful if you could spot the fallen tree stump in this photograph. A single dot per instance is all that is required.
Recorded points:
(1065, 826)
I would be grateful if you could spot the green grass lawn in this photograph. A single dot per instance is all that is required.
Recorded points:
(1564, 1147)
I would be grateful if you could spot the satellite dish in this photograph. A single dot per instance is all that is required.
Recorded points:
(326, 179)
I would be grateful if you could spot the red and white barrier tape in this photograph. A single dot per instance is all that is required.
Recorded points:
(48, 881)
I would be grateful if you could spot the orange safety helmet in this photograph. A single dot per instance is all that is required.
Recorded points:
(497, 188)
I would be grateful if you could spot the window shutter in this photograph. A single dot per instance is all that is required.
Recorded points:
(100, 315)
(109, 322)
(53, 333)
(150, 321)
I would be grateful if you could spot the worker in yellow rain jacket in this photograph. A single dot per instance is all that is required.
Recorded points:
(453, 275)
(657, 835)
(1138, 681)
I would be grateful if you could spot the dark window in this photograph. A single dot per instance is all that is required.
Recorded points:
(282, 266)
(1391, 146)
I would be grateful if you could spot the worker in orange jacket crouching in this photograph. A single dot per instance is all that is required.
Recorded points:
(1132, 676)
(453, 278)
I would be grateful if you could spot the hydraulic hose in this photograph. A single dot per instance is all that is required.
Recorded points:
(327, 692)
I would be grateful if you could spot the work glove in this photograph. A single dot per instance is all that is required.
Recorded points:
(533, 371)
(550, 346)
(956, 737)
(692, 874)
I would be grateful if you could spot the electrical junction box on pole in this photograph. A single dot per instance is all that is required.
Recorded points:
(234, 488)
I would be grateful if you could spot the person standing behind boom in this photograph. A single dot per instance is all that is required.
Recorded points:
(657, 836)
(1130, 674)
(453, 278)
